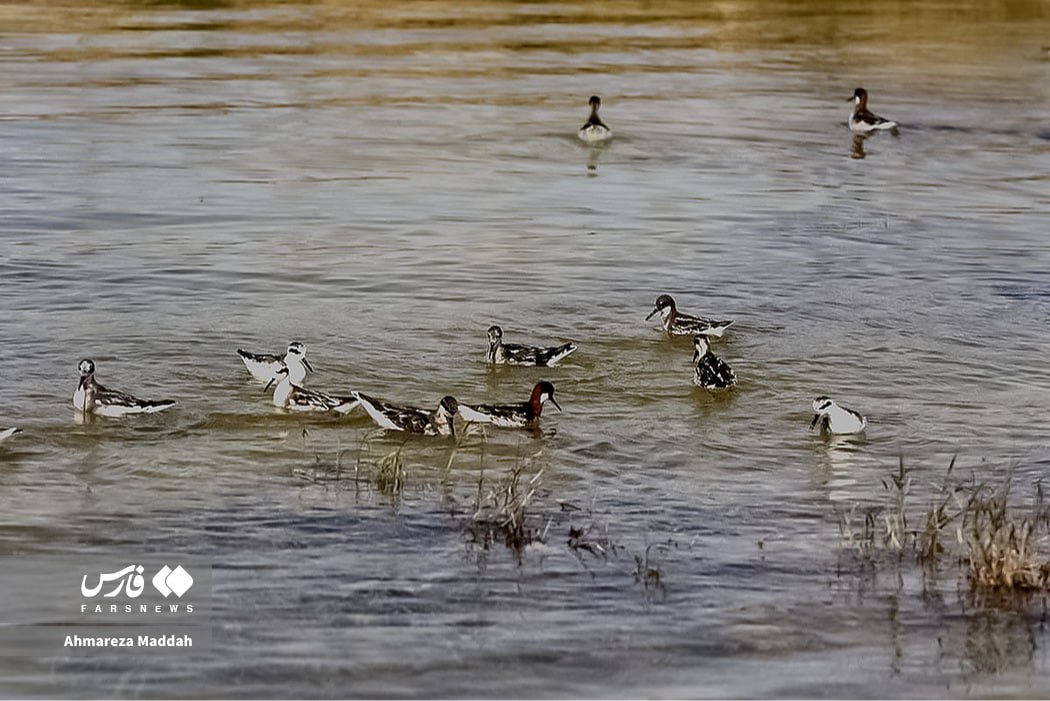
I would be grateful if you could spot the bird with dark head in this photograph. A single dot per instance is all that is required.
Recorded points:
(518, 415)
(678, 323)
(594, 130)
(501, 353)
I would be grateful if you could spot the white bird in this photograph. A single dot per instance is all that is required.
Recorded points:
(92, 398)
(6, 433)
(288, 395)
(836, 419)
(264, 366)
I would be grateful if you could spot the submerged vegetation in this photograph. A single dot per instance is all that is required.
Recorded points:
(974, 528)
(510, 507)
(501, 511)
(977, 531)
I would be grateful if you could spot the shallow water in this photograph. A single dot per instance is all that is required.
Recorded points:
(384, 181)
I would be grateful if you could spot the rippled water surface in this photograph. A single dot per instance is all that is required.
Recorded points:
(383, 181)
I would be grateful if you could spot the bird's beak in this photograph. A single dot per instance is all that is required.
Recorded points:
(654, 311)
(268, 385)
(851, 99)
(816, 417)
(696, 356)
(308, 365)
(555, 403)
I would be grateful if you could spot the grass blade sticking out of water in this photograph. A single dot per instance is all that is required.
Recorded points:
(390, 473)
(385, 474)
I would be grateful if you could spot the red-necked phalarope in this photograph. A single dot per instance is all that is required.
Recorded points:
(594, 130)
(861, 120)
(264, 366)
(711, 371)
(515, 354)
(512, 415)
(290, 396)
(6, 433)
(92, 398)
(439, 422)
(836, 419)
(677, 323)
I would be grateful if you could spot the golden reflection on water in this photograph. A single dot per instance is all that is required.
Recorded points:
(937, 29)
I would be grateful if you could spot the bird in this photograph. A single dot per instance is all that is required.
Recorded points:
(836, 419)
(92, 398)
(439, 422)
(678, 323)
(862, 120)
(290, 396)
(512, 415)
(594, 129)
(264, 366)
(515, 354)
(6, 433)
(711, 371)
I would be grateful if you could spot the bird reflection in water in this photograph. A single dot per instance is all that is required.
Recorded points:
(594, 154)
(858, 146)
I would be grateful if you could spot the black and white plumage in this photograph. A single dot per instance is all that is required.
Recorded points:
(678, 323)
(264, 366)
(515, 354)
(861, 119)
(439, 422)
(6, 433)
(92, 398)
(594, 129)
(836, 419)
(290, 396)
(512, 415)
(711, 372)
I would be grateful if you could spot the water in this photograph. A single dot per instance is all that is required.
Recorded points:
(384, 181)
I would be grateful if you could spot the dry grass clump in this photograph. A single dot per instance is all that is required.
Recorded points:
(389, 473)
(1006, 548)
(501, 511)
(995, 543)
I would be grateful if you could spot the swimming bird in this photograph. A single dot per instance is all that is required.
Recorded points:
(512, 415)
(594, 129)
(6, 433)
(711, 371)
(836, 419)
(861, 120)
(92, 398)
(290, 396)
(515, 354)
(439, 422)
(264, 366)
(678, 323)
